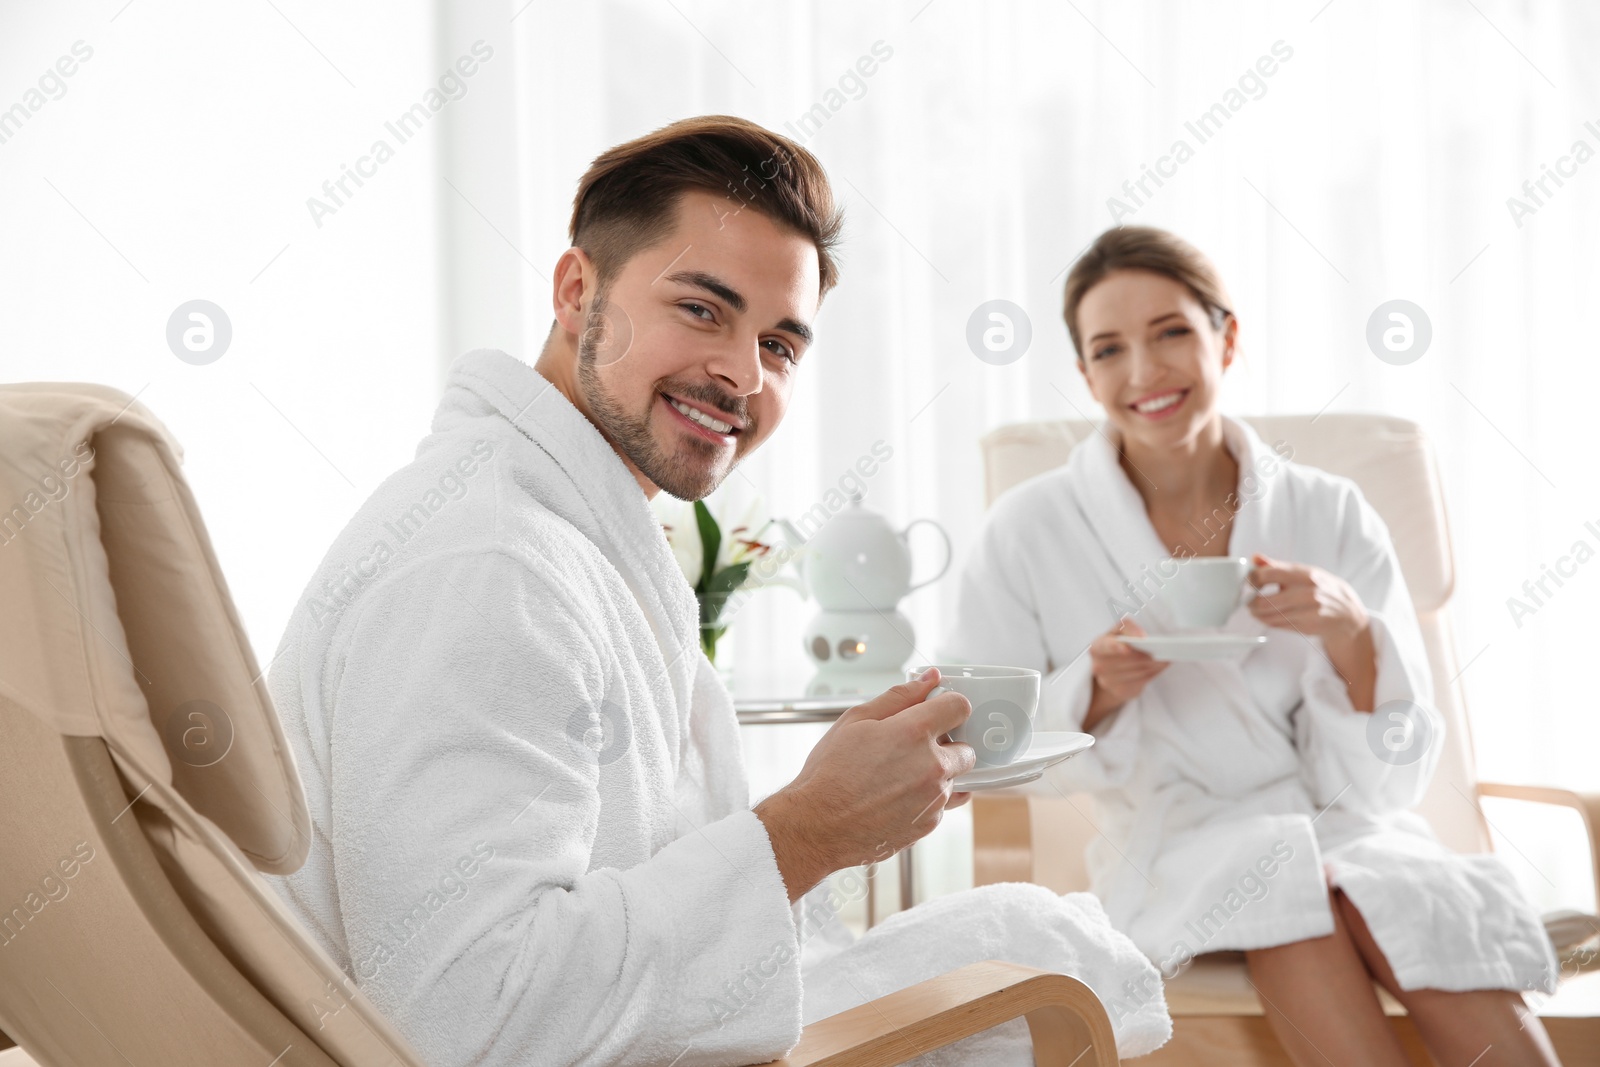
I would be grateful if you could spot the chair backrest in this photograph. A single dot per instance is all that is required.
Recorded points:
(144, 777)
(1392, 462)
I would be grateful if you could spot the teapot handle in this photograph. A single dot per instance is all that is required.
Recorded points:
(905, 536)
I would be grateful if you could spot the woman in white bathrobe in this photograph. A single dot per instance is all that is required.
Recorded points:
(1254, 804)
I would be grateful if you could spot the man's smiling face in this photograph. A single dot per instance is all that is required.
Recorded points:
(690, 353)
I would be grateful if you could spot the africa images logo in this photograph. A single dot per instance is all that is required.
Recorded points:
(600, 733)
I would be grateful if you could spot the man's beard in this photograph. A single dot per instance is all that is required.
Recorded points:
(682, 473)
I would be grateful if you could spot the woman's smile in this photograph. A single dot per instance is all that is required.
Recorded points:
(1158, 406)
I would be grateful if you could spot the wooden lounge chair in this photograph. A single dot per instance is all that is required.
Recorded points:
(145, 786)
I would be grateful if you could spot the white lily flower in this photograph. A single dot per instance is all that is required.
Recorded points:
(737, 538)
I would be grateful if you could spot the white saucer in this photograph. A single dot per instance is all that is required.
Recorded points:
(1047, 748)
(1180, 647)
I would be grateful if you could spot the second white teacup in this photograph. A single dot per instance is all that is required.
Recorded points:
(1206, 590)
(1004, 701)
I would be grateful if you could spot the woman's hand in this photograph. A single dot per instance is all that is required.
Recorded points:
(1120, 671)
(1317, 603)
(1309, 599)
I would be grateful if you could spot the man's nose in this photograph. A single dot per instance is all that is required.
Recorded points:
(739, 366)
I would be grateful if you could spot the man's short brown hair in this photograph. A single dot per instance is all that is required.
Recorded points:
(626, 199)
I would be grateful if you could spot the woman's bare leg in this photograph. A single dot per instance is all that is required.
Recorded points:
(1483, 1027)
(1319, 1000)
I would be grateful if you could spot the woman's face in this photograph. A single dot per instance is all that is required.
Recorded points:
(1151, 356)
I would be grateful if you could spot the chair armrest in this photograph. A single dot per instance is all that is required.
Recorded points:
(1585, 804)
(1068, 1023)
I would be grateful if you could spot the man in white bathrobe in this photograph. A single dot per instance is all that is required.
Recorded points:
(533, 840)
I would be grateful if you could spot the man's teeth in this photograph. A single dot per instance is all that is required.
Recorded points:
(1160, 403)
(701, 417)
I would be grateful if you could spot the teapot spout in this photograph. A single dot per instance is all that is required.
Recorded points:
(793, 537)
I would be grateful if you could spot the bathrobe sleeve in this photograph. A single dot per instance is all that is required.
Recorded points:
(1013, 579)
(1382, 761)
(998, 619)
(473, 741)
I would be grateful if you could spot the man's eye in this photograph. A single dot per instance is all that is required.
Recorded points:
(695, 309)
(781, 349)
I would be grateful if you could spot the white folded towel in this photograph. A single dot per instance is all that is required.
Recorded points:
(1012, 921)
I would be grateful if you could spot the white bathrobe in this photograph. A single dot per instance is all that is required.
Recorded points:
(1228, 789)
(533, 841)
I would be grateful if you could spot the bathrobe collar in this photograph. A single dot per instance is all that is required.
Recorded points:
(1115, 511)
(605, 503)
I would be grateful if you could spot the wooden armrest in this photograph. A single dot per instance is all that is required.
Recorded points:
(1585, 804)
(1067, 1021)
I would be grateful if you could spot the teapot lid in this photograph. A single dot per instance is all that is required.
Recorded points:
(849, 525)
(857, 509)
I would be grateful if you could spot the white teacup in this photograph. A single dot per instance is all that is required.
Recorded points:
(1004, 701)
(1206, 590)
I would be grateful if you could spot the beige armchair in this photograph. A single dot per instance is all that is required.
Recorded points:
(145, 783)
(1217, 1018)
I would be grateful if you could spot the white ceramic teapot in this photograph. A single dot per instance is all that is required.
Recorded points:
(857, 561)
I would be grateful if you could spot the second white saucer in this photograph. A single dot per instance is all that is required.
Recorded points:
(1180, 647)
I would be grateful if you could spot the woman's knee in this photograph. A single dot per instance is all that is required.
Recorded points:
(1341, 941)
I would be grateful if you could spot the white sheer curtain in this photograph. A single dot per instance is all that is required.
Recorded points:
(1373, 162)
(175, 163)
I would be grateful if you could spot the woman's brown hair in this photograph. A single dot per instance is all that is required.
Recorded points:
(1149, 249)
(627, 197)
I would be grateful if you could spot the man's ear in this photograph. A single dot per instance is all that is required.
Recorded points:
(573, 289)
